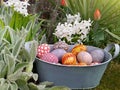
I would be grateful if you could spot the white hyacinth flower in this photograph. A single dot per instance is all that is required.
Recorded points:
(73, 26)
(19, 6)
(73, 18)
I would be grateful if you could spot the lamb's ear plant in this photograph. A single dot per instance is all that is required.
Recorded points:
(12, 65)
(16, 62)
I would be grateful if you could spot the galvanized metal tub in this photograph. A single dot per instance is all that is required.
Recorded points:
(75, 77)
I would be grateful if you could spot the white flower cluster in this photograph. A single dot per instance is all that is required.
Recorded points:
(73, 26)
(19, 6)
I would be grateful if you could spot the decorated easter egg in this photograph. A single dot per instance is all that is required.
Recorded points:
(78, 48)
(94, 63)
(61, 45)
(97, 55)
(81, 64)
(91, 48)
(49, 57)
(84, 57)
(59, 53)
(42, 49)
(69, 59)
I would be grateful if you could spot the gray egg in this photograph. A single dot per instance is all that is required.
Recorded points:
(97, 55)
(91, 48)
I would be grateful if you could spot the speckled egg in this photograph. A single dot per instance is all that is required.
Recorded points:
(42, 49)
(69, 59)
(49, 57)
(59, 53)
(78, 48)
(84, 57)
(61, 45)
(97, 55)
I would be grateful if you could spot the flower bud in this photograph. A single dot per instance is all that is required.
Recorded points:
(97, 14)
(63, 2)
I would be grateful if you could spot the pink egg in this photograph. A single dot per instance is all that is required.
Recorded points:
(49, 57)
(42, 49)
(84, 57)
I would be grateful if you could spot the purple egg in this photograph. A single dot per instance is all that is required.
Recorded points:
(97, 55)
(91, 48)
(59, 53)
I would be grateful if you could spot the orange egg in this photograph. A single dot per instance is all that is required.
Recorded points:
(69, 59)
(80, 64)
(78, 48)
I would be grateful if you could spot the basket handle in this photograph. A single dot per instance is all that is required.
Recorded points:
(110, 46)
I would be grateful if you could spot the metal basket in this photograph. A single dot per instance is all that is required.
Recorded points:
(75, 77)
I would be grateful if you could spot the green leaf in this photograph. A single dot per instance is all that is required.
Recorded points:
(42, 87)
(33, 50)
(13, 86)
(17, 47)
(46, 83)
(11, 63)
(35, 76)
(29, 25)
(19, 19)
(1, 56)
(43, 40)
(20, 66)
(98, 35)
(112, 34)
(29, 68)
(22, 84)
(3, 46)
(32, 86)
(12, 21)
(31, 28)
(4, 71)
(25, 54)
(5, 86)
(13, 36)
(37, 27)
(7, 51)
(2, 33)
(2, 65)
(20, 75)
(2, 24)
(40, 35)
(2, 81)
